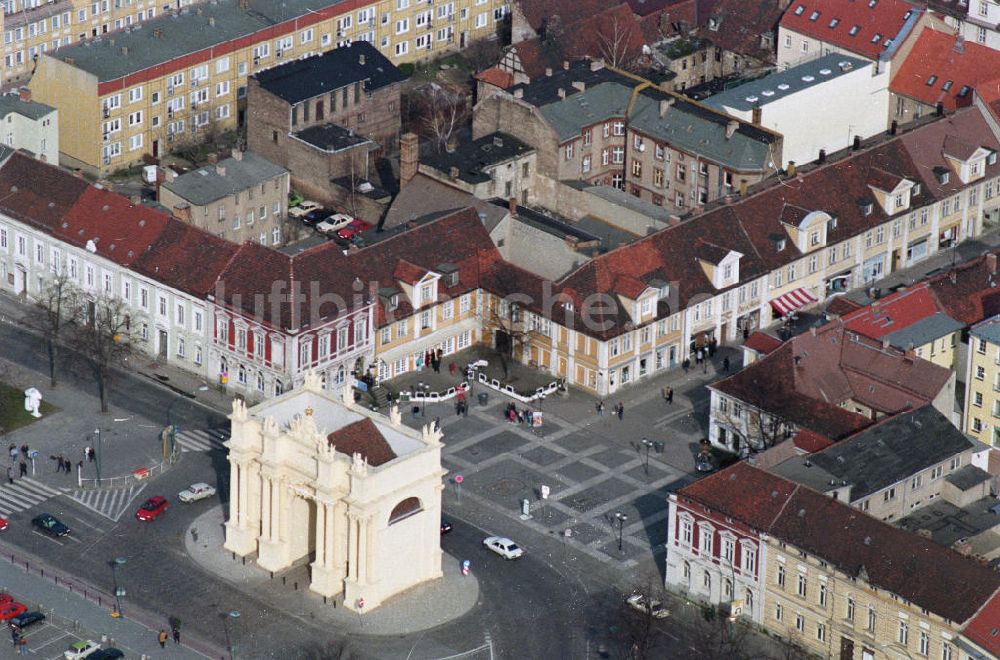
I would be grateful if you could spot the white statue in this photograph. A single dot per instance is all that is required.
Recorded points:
(395, 418)
(32, 399)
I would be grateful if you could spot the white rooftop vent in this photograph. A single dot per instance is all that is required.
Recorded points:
(91, 246)
(752, 99)
(845, 65)
(783, 86)
(768, 92)
(824, 72)
(808, 78)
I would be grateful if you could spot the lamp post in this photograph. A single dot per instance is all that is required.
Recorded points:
(117, 563)
(228, 617)
(647, 444)
(424, 389)
(99, 453)
(621, 518)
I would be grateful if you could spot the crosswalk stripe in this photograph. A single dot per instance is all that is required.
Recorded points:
(29, 484)
(110, 503)
(23, 494)
(202, 439)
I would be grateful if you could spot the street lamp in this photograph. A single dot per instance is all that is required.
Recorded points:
(647, 444)
(232, 615)
(621, 518)
(117, 563)
(99, 452)
(424, 388)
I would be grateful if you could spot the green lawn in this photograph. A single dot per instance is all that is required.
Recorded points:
(12, 413)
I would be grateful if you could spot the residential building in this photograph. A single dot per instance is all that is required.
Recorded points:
(830, 381)
(315, 476)
(941, 72)
(242, 198)
(495, 165)
(744, 36)
(982, 377)
(832, 580)
(875, 31)
(975, 20)
(148, 91)
(327, 116)
(29, 125)
(845, 97)
(890, 469)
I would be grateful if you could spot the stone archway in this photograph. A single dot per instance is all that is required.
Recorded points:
(406, 508)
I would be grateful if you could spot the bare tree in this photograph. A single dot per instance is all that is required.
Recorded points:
(439, 113)
(53, 316)
(501, 318)
(751, 431)
(615, 43)
(103, 338)
(483, 53)
(554, 37)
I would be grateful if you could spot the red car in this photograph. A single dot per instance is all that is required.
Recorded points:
(5, 599)
(11, 610)
(151, 509)
(353, 227)
(3, 524)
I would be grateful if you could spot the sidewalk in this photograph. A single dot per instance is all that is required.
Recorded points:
(452, 595)
(94, 621)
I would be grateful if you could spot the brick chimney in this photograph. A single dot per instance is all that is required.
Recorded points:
(24, 94)
(512, 205)
(409, 157)
(991, 263)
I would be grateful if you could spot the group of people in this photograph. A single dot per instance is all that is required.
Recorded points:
(18, 639)
(432, 358)
(18, 457)
(515, 416)
(618, 410)
(163, 637)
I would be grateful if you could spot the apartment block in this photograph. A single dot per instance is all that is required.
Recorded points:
(29, 125)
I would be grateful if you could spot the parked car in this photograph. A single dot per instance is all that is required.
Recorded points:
(27, 619)
(503, 546)
(3, 524)
(334, 223)
(304, 207)
(196, 492)
(651, 607)
(82, 649)
(353, 227)
(316, 216)
(109, 653)
(6, 598)
(11, 610)
(445, 526)
(48, 524)
(151, 509)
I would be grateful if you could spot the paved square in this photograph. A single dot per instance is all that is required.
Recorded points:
(508, 482)
(628, 551)
(656, 472)
(487, 448)
(612, 457)
(548, 515)
(580, 442)
(577, 472)
(543, 456)
(599, 494)
(586, 533)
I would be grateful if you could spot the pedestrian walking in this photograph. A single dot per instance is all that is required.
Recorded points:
(24, 450)
(162, 638)
(79, 466)
(10, 475)
(23, 466)
(13, 453)
(670, 395)
(59, 462)
(177, 635)
(686, 364)
(600, 409)
(68, 466)
(86, 453)
(725, 364)
(621, 411)
(22, 646)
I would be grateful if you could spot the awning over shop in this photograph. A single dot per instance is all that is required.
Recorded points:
(792, 301)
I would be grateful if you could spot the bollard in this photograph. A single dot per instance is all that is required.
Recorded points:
(244, 561)
(324, 600)
(42, 573)
(283, 581)
(296, 586)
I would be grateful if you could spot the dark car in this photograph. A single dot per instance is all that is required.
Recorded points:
(106, 654)
(445, 526)
(27, 619)
(48, 524)
(316, 216)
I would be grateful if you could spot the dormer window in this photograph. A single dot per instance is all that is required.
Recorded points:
(427, 294)
(393, 302)
(779, 244)
(992, 158)
(727, 272)
(713, 24)
(915, 190)
(813, 239)
(866, 205)
(942, 175)
(799, 10)
(900, 201)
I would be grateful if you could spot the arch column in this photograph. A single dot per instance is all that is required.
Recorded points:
(273, 546)
(242, 528)
(326, 580)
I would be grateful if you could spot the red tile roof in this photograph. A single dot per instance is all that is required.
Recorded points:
(362, 437)
(968, 292)
(811, 441)
(884, 18)
(740, 26)
(762, 342)
(989, 92)
(983, 629)
(841, 305)
(937, 61)
(186, 258)
(36, 193)
(930, 576)
(496, 76)
(894, 312)
(120, 230)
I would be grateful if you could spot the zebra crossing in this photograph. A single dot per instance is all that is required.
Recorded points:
(203, 440)
(109, 502)
(23, 494)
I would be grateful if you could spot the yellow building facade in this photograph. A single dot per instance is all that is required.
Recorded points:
(982, 378)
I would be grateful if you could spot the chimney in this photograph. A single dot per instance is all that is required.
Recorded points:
(755, 116)
(812, 330)
(664, 106)
(409, 157)
(562, 93)
(885, 343)
(361, 59)
(453, 172)
(512, 205)
(857, 142)
(909, 355)
(743, 188)
(182, 212)
(939, 110)
(991, 263)
(548, 71)
(731, 128)
(580, 86)
(519, 93)
(497, 141)
(237, 154)
(212, 158)
(565, 65)
(124, 50)
(790, 170)
(822, 156)
(24, 94)
(220, 170)
(893, 127)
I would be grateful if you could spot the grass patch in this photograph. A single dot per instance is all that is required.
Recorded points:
(12, 413)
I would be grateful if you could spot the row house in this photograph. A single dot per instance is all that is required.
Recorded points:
(982, 377)
(146, 92)
(828, 578)
(975, 20)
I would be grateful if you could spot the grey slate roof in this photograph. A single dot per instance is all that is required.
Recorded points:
(470, 157)
(968, 476)
(205, 185)
(947, 523)
(988, 330)
(781, 84)
(881, 455)
(331, 137)
(924, 331)
(299, 80)
(184, 33)
(31, 109)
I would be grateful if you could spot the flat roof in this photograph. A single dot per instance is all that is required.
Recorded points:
(190, 30)
(331, 137)
(782, 84)
(473, 156)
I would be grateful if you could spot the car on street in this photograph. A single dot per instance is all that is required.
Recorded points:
(6, 598)
(49, 524)
(82, 649)
(304, 207)
(647, 606)
(11, 610)
(196, 492)
(334, 223)
(3, 524)
(503, 546)
(110, 653)
(445, 526)
(151, 509)
(27, 619)
(353, 227)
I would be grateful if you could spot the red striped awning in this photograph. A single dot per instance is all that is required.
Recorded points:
(792, 301)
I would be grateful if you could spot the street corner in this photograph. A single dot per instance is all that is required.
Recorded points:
(204, 543)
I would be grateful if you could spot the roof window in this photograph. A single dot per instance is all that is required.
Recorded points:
(799, 10)
(872, 3)
(931, 80)
(964, 91)
(834, 22)
(783, 86)
(946, 86)
(813, 16)
(854, 30)
(877, 38)
(824, 72)
(808, 78)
